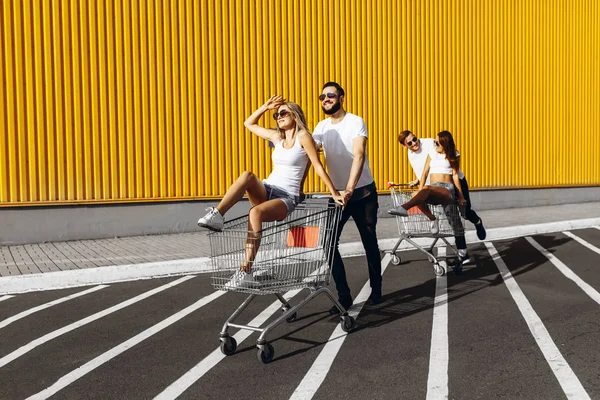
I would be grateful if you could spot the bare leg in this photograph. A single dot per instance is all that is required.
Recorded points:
(425, 210)
(247, 182)
(272, 210)
(431, 194)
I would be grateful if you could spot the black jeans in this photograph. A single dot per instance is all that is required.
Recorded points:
(364, 213)
(466, 212)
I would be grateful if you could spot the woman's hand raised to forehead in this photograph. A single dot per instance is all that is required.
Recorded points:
(274, 102)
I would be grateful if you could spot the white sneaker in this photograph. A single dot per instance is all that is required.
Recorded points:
(399, 211)
(435, 229)
(213, 220)
(241, 279)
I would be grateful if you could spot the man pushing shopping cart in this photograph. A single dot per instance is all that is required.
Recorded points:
(432, 211)
(284, 243)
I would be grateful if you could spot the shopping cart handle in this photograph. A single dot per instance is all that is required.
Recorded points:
(392, 184)
(318, 196)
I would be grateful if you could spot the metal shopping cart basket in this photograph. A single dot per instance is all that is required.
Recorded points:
(416, 225)
(294, 254)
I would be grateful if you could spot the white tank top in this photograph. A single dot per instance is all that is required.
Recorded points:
(289, 167)
(439, 164)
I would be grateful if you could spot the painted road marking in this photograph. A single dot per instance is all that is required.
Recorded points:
(561, 369)
(583, 242)
(77, 324)
(199, 370)
(25, 313)
(437, 381)
(5, 297)
(115, 351)
(319, 369)
(566, 271)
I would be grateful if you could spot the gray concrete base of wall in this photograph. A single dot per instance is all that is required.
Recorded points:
(26, 225)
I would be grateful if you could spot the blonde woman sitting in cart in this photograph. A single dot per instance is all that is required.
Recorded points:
(276, 197)
(442, 166)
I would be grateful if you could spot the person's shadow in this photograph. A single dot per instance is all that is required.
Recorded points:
(519, 256)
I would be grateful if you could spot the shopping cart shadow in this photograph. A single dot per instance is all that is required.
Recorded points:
(298, 327)
(519, 256)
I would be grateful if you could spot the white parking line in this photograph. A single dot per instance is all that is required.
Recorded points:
(566, 271)
(199, 370)
(583, 242)
(25, 313)
(115, 351)
(52, 335)
(319, 369)
(564, 374)
(5, 297)
(437, 382)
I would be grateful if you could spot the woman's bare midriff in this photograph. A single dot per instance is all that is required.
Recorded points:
(433, 178)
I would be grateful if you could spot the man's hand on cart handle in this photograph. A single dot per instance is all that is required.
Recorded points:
(462, 201)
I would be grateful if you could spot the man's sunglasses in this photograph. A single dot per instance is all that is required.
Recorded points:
(329, 95)
(280, 114)
(411, 142)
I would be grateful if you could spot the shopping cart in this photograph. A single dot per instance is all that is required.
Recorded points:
(294, 254)
(416, 225)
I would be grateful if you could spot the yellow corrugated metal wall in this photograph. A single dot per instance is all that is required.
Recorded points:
(130, 100)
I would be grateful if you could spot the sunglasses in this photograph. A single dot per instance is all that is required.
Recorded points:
(329, 95)
(280, 114)
(411, 142)
(436, 143)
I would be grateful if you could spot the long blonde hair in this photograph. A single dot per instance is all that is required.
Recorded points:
(299, 118)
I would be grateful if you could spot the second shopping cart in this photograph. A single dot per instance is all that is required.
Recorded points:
(448, 223)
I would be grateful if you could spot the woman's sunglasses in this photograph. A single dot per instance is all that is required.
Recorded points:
(436, 143)
(329, 95)
(411, 142)
(281, 114)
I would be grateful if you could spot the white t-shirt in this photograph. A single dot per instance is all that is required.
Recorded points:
(439, 164)
(417, 159)
(336, 140)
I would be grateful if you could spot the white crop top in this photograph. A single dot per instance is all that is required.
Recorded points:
(439, 164)
(289, 167)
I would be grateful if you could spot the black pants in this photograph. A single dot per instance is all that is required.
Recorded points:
(466, 212)
(364, 213)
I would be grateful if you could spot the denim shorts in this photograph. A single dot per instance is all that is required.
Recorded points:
(290, 201)
(447, 185)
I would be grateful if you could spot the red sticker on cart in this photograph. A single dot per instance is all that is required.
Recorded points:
(303, 236)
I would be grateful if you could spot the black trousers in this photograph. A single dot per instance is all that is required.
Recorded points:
(466, 212)
(364, 213)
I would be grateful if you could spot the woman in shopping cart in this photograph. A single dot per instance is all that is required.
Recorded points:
(442, 166)
(276, 197)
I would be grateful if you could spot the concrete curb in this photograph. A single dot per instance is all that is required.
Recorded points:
(130, 272)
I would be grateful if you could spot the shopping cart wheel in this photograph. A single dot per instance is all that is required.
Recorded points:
(439, 270)
(291, 318)
(395, 260)
(265, 355)
(348, 323)
(228, 346)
